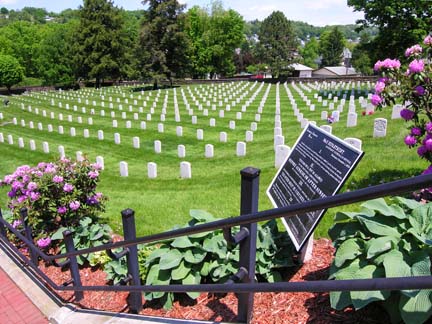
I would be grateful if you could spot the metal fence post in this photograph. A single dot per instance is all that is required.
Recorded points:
(28, 233)
(73, 264)
(129, 232)
(248, 205)
(2, 227)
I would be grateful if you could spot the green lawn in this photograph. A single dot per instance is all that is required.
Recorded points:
(162, 203)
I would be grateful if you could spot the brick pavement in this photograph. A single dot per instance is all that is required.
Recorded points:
(15, 306)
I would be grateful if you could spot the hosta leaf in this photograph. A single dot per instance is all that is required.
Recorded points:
(344, 230)
(182, 242)
(86, 221)
(343, 216)
(205, 269)
(395, 265)
(340, 299)
(201, 215)
(376, 227)
(170, 260)
(157, 253)
(381, 206)
(379, 245)
(58, 235)
(195, 255)
(409, 203)
(193, 278)
(348, 250)
(421, 218)
(169, 298)
(362, 298)
(421, 264)
(416, 309)
(180, 272)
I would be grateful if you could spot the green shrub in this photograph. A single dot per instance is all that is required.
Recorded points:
(206, 258)
(384, 240)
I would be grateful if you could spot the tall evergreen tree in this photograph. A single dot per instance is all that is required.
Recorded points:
(99, 41)
(278, 44)
(332, 44)
(165, 46)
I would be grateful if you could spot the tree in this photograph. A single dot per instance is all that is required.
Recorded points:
(215, 35)
(11, 72)
(401, 23)
(277, 43)
(310, 53)
(99, 41)
(164, 44)
(332, 44)
(360, 56)
(53, 55)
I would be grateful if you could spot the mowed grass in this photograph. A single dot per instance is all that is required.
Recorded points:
(163, 203)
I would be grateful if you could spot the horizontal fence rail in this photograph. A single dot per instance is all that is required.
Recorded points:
(249, 205)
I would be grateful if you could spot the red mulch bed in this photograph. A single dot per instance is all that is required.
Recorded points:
(268, 307)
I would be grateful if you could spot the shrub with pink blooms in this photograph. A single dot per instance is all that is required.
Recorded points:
(412, 86)
(56, 195)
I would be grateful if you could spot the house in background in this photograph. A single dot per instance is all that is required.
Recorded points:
(301, 71)
(334, 72)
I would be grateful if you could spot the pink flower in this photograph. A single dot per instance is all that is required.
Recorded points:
(387, 64)
(428, 40)
(74, 205)
(93, 174)
(410, 140)
(416, 49)
(34, 196)
(428, 127)
(407, 114)
(58, 179)
(421, 151)
(416, 66)
(68, 187)
(32, 186)
(376, 100)
(428, 144)
(16, 223)
(419, 90)
(8, 179)
(96, 166)
(62, 210)
(416, 131)
(43, 242)
(379, 87)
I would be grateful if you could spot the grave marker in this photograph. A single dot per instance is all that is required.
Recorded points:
(380, 127)
(124, 169)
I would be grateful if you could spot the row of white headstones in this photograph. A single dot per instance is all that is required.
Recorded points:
(280, 150)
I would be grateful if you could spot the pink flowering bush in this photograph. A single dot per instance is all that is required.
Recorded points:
(56, 195)
(412, 86)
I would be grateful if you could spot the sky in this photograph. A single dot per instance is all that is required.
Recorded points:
(314, 12)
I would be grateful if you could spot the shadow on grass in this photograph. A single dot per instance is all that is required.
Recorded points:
(374, 178)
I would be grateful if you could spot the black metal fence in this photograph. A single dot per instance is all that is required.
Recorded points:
(243, 282)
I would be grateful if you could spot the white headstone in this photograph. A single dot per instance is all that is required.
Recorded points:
(281, 153)
(335, 115)
(60, 129)
(124, 169)
(324, 115)
(79, 118)
(181, 151)
(86, 133)
(396, 111)
(212, 122)
(241, 149)
(152, 170)
(239, 115)
(61, 151)
(357, 143)
(277, 131)
(254, 126)
(40, 127)
(160, 127)
(1, 138)
(209, 151)
(72, 131)
(117, 138)
(32, 145)
(249, 136)
(79, 156)
(10, 139)
(31, 124)
(380, 127)
(257, 117)
(50, 128)
(278, 140)
(304, 122)
(200, 134)
(143, 125)
(223, 137)
(20, 142)
(185, 170)
(179, 131)
(352, 119)
(221, 113)
(327, 128)
(100, 161)
(194, 120)
(45, 147)
(136, 142)
(157, 146)
(114, 123)
(232, 124)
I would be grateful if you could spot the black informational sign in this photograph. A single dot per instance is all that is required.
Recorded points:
(317, 166)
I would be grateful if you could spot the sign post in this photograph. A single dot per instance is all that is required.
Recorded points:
(317, 167)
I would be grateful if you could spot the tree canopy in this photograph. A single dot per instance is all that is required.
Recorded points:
(277, 43)
(332, 44)
(11, 72)
(99, 42)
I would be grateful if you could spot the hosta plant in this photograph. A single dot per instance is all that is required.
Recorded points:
(206, 258)
(384, 240)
